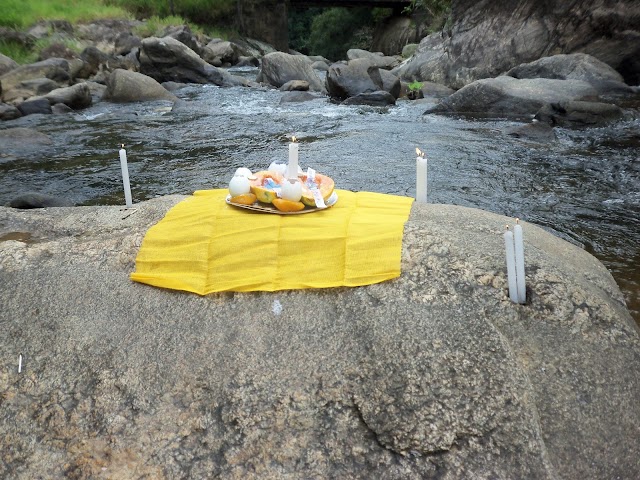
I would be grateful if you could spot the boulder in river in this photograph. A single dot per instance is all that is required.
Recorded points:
(357, 76)
(508, 96)
(435, 374)
(579, 114)
(127, 86)
(376, 59)
(219, 52)
(35, 106)
(29, 200)
(77, 96)
(56, 69)
(126, 42)
(575, 66)
(167, 59)
(9, 112)
(278, 68)
(380, 98)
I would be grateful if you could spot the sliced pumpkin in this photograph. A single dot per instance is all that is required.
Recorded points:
(244, 199)
(287, 205)
(262, 184)
(324, 184)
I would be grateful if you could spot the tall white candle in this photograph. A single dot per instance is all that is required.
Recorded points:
(511, 265)
(292, 167)
(125, 176)
(421, 177)
(519, 255)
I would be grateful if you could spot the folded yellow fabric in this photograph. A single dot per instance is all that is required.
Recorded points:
(203, 245)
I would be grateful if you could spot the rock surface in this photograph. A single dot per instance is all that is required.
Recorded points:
(279, 68)
(487, 38)
(433, 375)
(126, 86)
(506, 96)
(357, 76)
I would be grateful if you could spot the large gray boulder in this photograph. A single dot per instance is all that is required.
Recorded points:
(279, 68)
(506, 96)
(76, 97)
(9, 112)
(373, 99)
(579, 114)
(375, 59)
(166, 59)
(6, 64)
(219, 52)
(357, 76)
(56, 69)
(433, 375)
(487, 38)
(126, 86)
(575, 66)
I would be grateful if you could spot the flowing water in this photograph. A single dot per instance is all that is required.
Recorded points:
(585, 187)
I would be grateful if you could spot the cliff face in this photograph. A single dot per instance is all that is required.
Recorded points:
(487, 38)
(435, 374)
(265, 20)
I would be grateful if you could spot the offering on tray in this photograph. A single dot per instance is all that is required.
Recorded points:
(269, 190)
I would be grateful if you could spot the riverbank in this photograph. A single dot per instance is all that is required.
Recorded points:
(436, 372)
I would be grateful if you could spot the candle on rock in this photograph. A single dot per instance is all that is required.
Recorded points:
(421, 177)
(125, 176)
(511, 265)
(292, 167)
(518, 239)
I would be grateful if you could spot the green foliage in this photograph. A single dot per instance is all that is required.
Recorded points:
(18, 53)
(201, 12)
(438, 12)
(21, 14)
(336, 30)
(414, 86)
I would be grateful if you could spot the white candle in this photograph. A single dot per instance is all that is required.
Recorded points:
(292, 167)
(511, 265)
(20, 363)
(519, 256)
(421, 177)
(125, 176)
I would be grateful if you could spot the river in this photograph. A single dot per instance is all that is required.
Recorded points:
(585, 187)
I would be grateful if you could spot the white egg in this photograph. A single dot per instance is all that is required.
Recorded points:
(243, 171)
(291, 190)
(239, 185)
(278, 167)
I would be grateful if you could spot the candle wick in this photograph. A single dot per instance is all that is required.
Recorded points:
(517, 221)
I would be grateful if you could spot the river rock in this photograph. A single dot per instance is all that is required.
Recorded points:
(23, 137)
(94, 60)
(29, 200)
(166, 59)
(579, 114)
(291, 85)
(487, 39)
(250, 47)
(375, 59)
(125, 42)
(297, 96)
(127, 86)
(56, 69)
(536, 131)
(9, 112)
(391, 83)
(380, 98)
(57, 50)
(183, 34)
(320, 66)
(219, 52)
(39, 86)
(75, 97)
(575, 66)
(6, 64)
(433, 374)
(506, 96)
(357, 76)
(278, 68)
(35, 106)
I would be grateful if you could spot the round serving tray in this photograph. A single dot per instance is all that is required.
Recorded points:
(268, 208)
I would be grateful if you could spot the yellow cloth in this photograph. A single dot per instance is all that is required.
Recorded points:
(203, 245)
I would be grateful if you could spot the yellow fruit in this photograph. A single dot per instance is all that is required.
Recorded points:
(244, 199)
(260, 182)
(287, 205)
(325, 185)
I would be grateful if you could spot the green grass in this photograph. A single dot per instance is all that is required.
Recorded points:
(154, 25)
(21, 14)
(18, 53)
